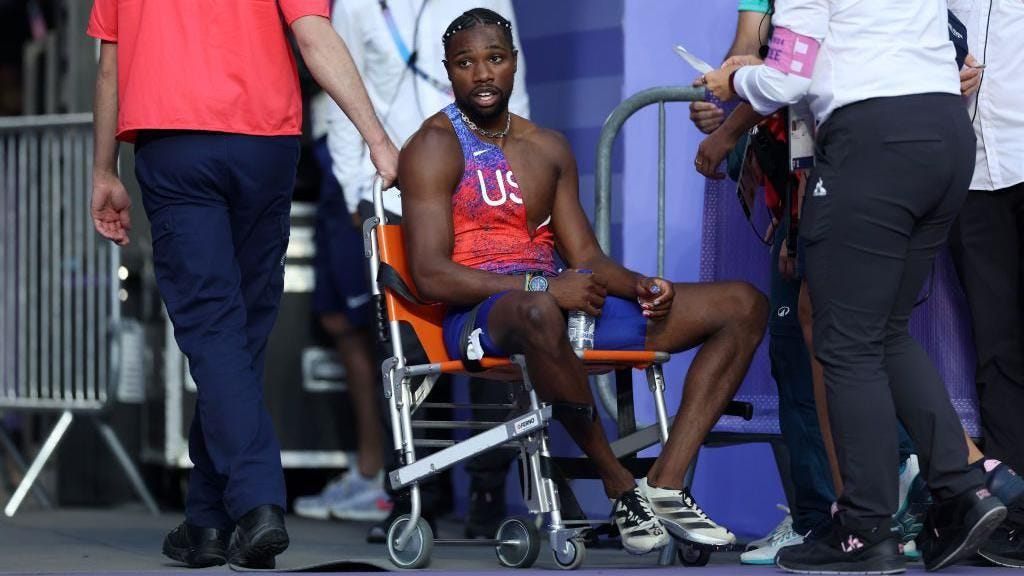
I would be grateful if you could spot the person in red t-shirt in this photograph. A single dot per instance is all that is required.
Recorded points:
(209, 94)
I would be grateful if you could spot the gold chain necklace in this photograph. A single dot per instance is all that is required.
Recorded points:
(488, 133)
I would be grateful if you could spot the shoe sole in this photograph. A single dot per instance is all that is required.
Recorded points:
(262, 550)
(194, 559)
(642, 551)
(683, 535)
(1003, 561)
(313, 514)
(355, 516)
(845, 568)
(980, 532)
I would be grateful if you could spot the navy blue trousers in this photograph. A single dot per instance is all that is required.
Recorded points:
(798, 419)
(218, 205)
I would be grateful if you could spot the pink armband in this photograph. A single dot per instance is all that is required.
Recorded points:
(792, 53)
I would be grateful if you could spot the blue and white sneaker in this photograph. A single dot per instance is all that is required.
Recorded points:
(366, 500)
(915, 498)
(318, 506)
(765, 554)
(784, 526)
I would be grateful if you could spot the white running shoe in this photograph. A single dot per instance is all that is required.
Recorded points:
(366, 500)
(784, 526)
(683, 518)
(318, 506)
(638, 527)
(909, 469)
(766, 554)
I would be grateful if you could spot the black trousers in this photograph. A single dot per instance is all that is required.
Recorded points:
(890, 176)
(986, 243)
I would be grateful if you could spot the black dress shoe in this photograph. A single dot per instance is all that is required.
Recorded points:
(197, 547)
(955, 528)
(259, 536)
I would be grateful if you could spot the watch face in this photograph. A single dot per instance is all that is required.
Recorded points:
(538, 284)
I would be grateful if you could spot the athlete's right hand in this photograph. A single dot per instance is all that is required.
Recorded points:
(575, 290)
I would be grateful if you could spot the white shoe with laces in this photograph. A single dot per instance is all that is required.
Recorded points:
(638, 527)
(318, 506)
(766, 554)
(785, 525)
(683, 518)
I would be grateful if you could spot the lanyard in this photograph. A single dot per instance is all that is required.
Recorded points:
(408, 56)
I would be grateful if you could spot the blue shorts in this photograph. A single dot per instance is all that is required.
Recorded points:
(341, 280)
(621, 326)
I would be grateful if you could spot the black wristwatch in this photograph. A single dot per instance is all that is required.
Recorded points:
(536, 282)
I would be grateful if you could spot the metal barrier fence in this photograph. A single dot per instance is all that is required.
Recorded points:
(603, 192)
(59, 308)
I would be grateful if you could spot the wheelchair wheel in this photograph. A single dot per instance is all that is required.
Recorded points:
(690, 555)
(518, 543)
(417, 550)
(571, 556)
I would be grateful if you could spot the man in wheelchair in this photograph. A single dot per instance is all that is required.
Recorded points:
(488, 198)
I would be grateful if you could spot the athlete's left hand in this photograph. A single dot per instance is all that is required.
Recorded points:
(655, 296)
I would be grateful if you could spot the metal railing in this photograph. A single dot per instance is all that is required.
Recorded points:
(59, 308)
(603, 192)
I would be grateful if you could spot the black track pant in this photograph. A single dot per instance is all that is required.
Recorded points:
(891, 175)
(986, 242)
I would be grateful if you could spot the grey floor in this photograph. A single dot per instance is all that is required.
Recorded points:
(127, 540)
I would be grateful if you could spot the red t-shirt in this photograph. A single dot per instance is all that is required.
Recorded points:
(221, 66)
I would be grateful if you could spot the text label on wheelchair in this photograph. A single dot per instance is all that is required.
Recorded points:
(525, 424)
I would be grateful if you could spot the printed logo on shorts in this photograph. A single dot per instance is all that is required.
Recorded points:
(783, 311)
(819, 188)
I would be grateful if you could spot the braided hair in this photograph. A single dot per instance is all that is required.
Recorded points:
(475, 17)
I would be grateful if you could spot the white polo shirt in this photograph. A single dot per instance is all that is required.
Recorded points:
(995, 36)
(868, 49)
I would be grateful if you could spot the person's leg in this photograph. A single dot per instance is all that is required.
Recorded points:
(986, 246)
(818, 387)
(873, 227)
(189, 195)
(728, 321)
(532, 324)
(798, 420)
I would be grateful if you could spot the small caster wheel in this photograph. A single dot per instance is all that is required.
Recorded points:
(571, 556)
(690, 555)
(416, 553)
(518, 543)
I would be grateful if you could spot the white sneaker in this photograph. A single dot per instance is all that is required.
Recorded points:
(766, 554)
(638, 527)
(318, 506)
(909, 469)
(784, 526)
(683, 518)
(366, 500)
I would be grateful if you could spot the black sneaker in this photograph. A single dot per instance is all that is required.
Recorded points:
(844, 551)
(197, 547)
(955, 528)
(639, 528)
(1005, 547)
(486, 512)
(259, 536)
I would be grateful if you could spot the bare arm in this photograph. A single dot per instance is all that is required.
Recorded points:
(328, 59)
(751, 33)
(111, 206)
(573, 234)
(430, 168)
